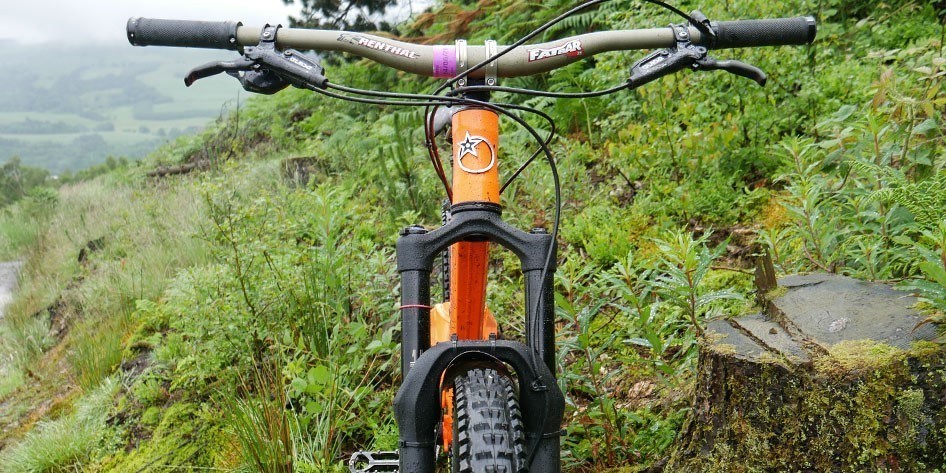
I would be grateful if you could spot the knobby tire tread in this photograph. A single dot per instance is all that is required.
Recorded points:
(488, 433)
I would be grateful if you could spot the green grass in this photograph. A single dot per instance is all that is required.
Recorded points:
(96, 348)
(11, 378)
(144, 242)
(16, 232)
(65, 444)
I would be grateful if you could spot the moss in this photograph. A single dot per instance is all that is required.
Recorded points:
(864, 406)
(187, 436)
(768, 357)
(911, 420)
(776, 293)
(729, 280)
(151, 416)
(932, 312)
(851, 357)
(724, 348)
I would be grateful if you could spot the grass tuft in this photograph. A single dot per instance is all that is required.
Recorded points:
(65, 444)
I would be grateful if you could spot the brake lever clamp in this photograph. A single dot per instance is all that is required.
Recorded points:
(655, 65)
(293, 66)
(703, 23)
(264, 70)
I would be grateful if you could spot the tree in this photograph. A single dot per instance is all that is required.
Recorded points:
(353, 15)
(17, 180)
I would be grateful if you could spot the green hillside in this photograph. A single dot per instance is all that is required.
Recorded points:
(71, 107)
(237, 319)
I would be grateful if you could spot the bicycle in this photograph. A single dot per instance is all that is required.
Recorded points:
(493, 405)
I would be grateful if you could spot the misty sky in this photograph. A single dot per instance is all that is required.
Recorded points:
(83, 21)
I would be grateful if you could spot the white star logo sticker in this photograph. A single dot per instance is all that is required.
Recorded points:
(469, 145)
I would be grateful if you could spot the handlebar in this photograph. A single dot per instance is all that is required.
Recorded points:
(449, 60)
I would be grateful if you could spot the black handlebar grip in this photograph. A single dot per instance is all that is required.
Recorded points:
(183, 33)
(773, 32)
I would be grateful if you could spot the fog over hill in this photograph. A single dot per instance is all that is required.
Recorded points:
(75, 92)
(69, 107)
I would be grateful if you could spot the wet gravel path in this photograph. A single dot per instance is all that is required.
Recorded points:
(8, 279)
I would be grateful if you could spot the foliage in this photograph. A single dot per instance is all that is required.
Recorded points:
(685, 263)
(642, 314)
(353, 15)
(18, 181)
(262, 425)
(204, 280)
(110, 165)
(65, 444)
(866, 199)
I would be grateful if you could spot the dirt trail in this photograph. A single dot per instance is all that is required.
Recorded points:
(8, 279)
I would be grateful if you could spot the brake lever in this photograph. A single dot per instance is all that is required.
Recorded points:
(684, 54)
(293, 66)
(217, 67)
(738, 68)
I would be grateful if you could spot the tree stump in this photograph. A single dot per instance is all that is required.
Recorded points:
(838, 375)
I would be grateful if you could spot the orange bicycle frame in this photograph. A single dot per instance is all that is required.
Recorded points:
(475, 179)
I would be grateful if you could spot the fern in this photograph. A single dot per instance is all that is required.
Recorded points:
(576, 24)
(925, 200)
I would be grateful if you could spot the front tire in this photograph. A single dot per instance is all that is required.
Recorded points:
(487, 433)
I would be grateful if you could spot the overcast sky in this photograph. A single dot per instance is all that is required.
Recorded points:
(82, 21)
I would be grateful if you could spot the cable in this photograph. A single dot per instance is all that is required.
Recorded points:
(548, 141)
(520, 42)
(432, 151)
(693, 21)
(430, 141)
(403, 103)
(396, 95)
(458, 100)
(538, 93)
(461, 100)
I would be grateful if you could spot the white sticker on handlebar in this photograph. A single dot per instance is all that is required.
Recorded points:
(362, 41)
(571, 49)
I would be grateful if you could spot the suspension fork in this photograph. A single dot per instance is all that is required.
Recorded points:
(417, 405)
